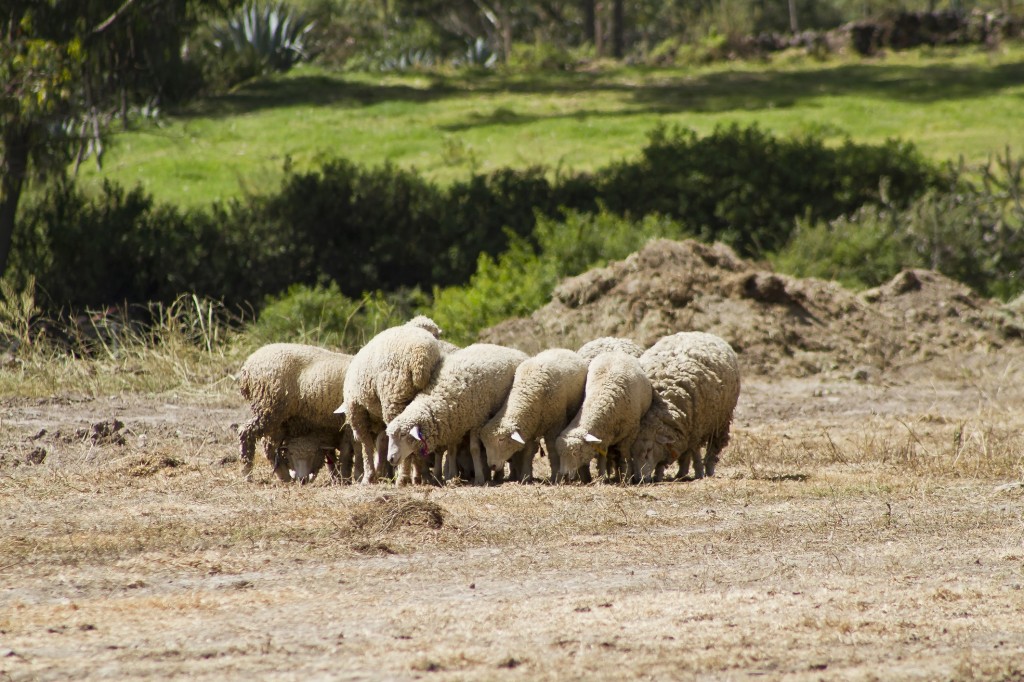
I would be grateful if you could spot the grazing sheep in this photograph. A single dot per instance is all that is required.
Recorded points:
(385, 375)
(616, 396)
(467, 388)
(592, 349)
(696, 381)
(546, 394)
(292, 389)
(302, 456)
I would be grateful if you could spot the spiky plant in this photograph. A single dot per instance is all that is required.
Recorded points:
(273, 35)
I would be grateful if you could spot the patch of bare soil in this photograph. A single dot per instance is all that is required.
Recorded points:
(780, 325)
(865, 523)
(856, 530)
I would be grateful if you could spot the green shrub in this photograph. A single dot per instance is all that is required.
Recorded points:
(746, 187)
(522, 278)
(323, 316)
(540, 56)
(859, 251)
(388, 229)
(974, 233)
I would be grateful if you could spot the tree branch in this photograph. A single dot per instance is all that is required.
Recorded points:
(113, 17)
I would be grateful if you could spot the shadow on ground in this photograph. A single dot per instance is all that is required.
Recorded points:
(740, 90)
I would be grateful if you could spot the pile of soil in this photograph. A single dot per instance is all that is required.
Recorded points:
(778, 324)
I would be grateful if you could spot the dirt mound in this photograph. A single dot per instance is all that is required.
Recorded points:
(778, 324)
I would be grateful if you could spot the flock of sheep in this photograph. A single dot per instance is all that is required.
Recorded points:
(417, 409)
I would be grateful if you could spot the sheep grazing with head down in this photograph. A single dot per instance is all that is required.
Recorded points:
(305, 454)
(696, 381)
(603, 344)
(292, 390)
(616, 396)
(467, 388)
(385, 375)
(546, 394)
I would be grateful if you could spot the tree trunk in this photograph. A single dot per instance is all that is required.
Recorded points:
(598, 29)
(589, 17)
(794, 25)
(618, 29)
(13, 168)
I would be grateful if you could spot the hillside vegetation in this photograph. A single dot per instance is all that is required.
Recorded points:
(446, 125)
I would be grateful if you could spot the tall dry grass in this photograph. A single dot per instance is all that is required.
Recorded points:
(189, 345)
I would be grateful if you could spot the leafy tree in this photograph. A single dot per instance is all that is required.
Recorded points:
(69, 68)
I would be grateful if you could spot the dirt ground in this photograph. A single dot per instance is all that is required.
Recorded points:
(866, 522)
(856, 530)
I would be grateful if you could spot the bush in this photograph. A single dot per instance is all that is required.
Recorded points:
(746, 187)
(323, 316)
(388, 229)
(859, 251)
(539, 56)
(973, 233)
(521, 280)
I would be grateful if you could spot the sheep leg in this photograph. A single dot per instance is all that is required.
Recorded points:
(247, 436)
(602, 468)
(357, 462)
(480, 477)
(450, 469)
(715, 445)
(346, 457)
(380, 458)
(438, 465)
(524, 461)
(698, 463)
(684, 464)
(553, 459)
(359, 419)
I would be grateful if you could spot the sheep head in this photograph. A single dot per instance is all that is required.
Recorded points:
(500, 441)
(575, 448)
(403, 441)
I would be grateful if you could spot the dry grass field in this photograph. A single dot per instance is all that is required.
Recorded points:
(856, 530)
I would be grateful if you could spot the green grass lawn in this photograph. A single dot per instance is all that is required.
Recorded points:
(950, 103)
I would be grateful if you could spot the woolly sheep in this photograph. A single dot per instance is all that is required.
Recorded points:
(385, 375)
(696, 383)
(302, 456)
(592, 349)
(292, 389)
(616, 396)
(546, 394)
(467, 388)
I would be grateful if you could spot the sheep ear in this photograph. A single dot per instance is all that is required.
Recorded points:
(341, 409)
(591, 438)
(415, 433)
(517, 438)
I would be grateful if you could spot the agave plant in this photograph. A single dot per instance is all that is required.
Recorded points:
(273, 34)
(478, 54)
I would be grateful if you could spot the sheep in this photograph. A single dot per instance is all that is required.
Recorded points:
(292, 389)
(696, 383)
(592, 349)
(467, 388)
(616, 396)
(385, 375)
(546, 393)
(302, 456)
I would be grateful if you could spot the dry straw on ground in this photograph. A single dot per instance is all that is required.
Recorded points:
(864, 525)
